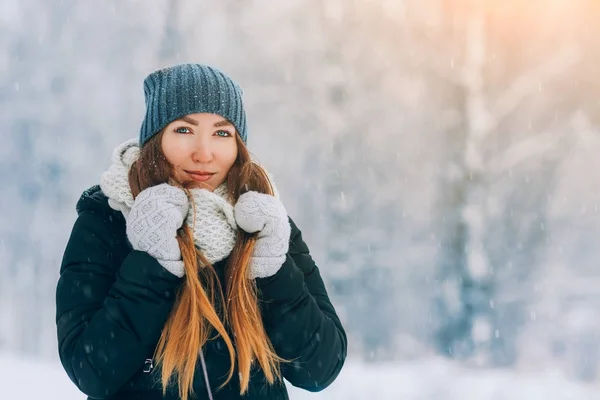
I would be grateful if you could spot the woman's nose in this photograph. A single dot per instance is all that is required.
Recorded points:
(202, 152)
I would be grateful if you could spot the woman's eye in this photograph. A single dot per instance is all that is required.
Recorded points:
(223, 133)
(182, 129)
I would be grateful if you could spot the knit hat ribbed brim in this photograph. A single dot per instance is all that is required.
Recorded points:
(174, 92)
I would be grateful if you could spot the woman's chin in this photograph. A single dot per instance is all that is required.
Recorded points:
(192, 184)
(203, 185)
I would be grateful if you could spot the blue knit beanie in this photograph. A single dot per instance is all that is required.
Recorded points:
(174, 92)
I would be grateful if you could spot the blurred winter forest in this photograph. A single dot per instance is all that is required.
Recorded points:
(442, 158)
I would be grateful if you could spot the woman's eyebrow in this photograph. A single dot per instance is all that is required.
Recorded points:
(222, 123)
(189, 120)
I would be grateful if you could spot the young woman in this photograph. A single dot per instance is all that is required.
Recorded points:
(183, 277)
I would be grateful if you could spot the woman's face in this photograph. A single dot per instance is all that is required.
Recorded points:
(201, 148)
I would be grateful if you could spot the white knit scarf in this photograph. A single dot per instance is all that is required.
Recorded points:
(213, 224)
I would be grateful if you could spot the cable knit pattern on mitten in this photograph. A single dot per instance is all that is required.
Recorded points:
(157, 213)
(265, 214)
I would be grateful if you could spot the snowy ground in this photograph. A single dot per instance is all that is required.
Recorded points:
(432, 380)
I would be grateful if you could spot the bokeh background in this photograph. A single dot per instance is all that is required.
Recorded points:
(440, 156)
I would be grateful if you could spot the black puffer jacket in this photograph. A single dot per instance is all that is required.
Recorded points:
(112, 303)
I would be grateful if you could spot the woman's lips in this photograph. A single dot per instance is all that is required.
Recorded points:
(200, 176)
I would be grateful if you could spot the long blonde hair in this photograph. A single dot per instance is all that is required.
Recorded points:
(194, 312)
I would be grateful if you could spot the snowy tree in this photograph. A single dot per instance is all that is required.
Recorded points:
(497, 173)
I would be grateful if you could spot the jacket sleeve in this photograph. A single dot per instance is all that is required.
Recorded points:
(109, 316)
(301, 321)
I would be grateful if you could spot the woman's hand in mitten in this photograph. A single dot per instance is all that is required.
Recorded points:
(265, 214)
(157, 213)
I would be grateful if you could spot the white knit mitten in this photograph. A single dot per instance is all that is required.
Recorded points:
(152, 224)
(265, 214)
